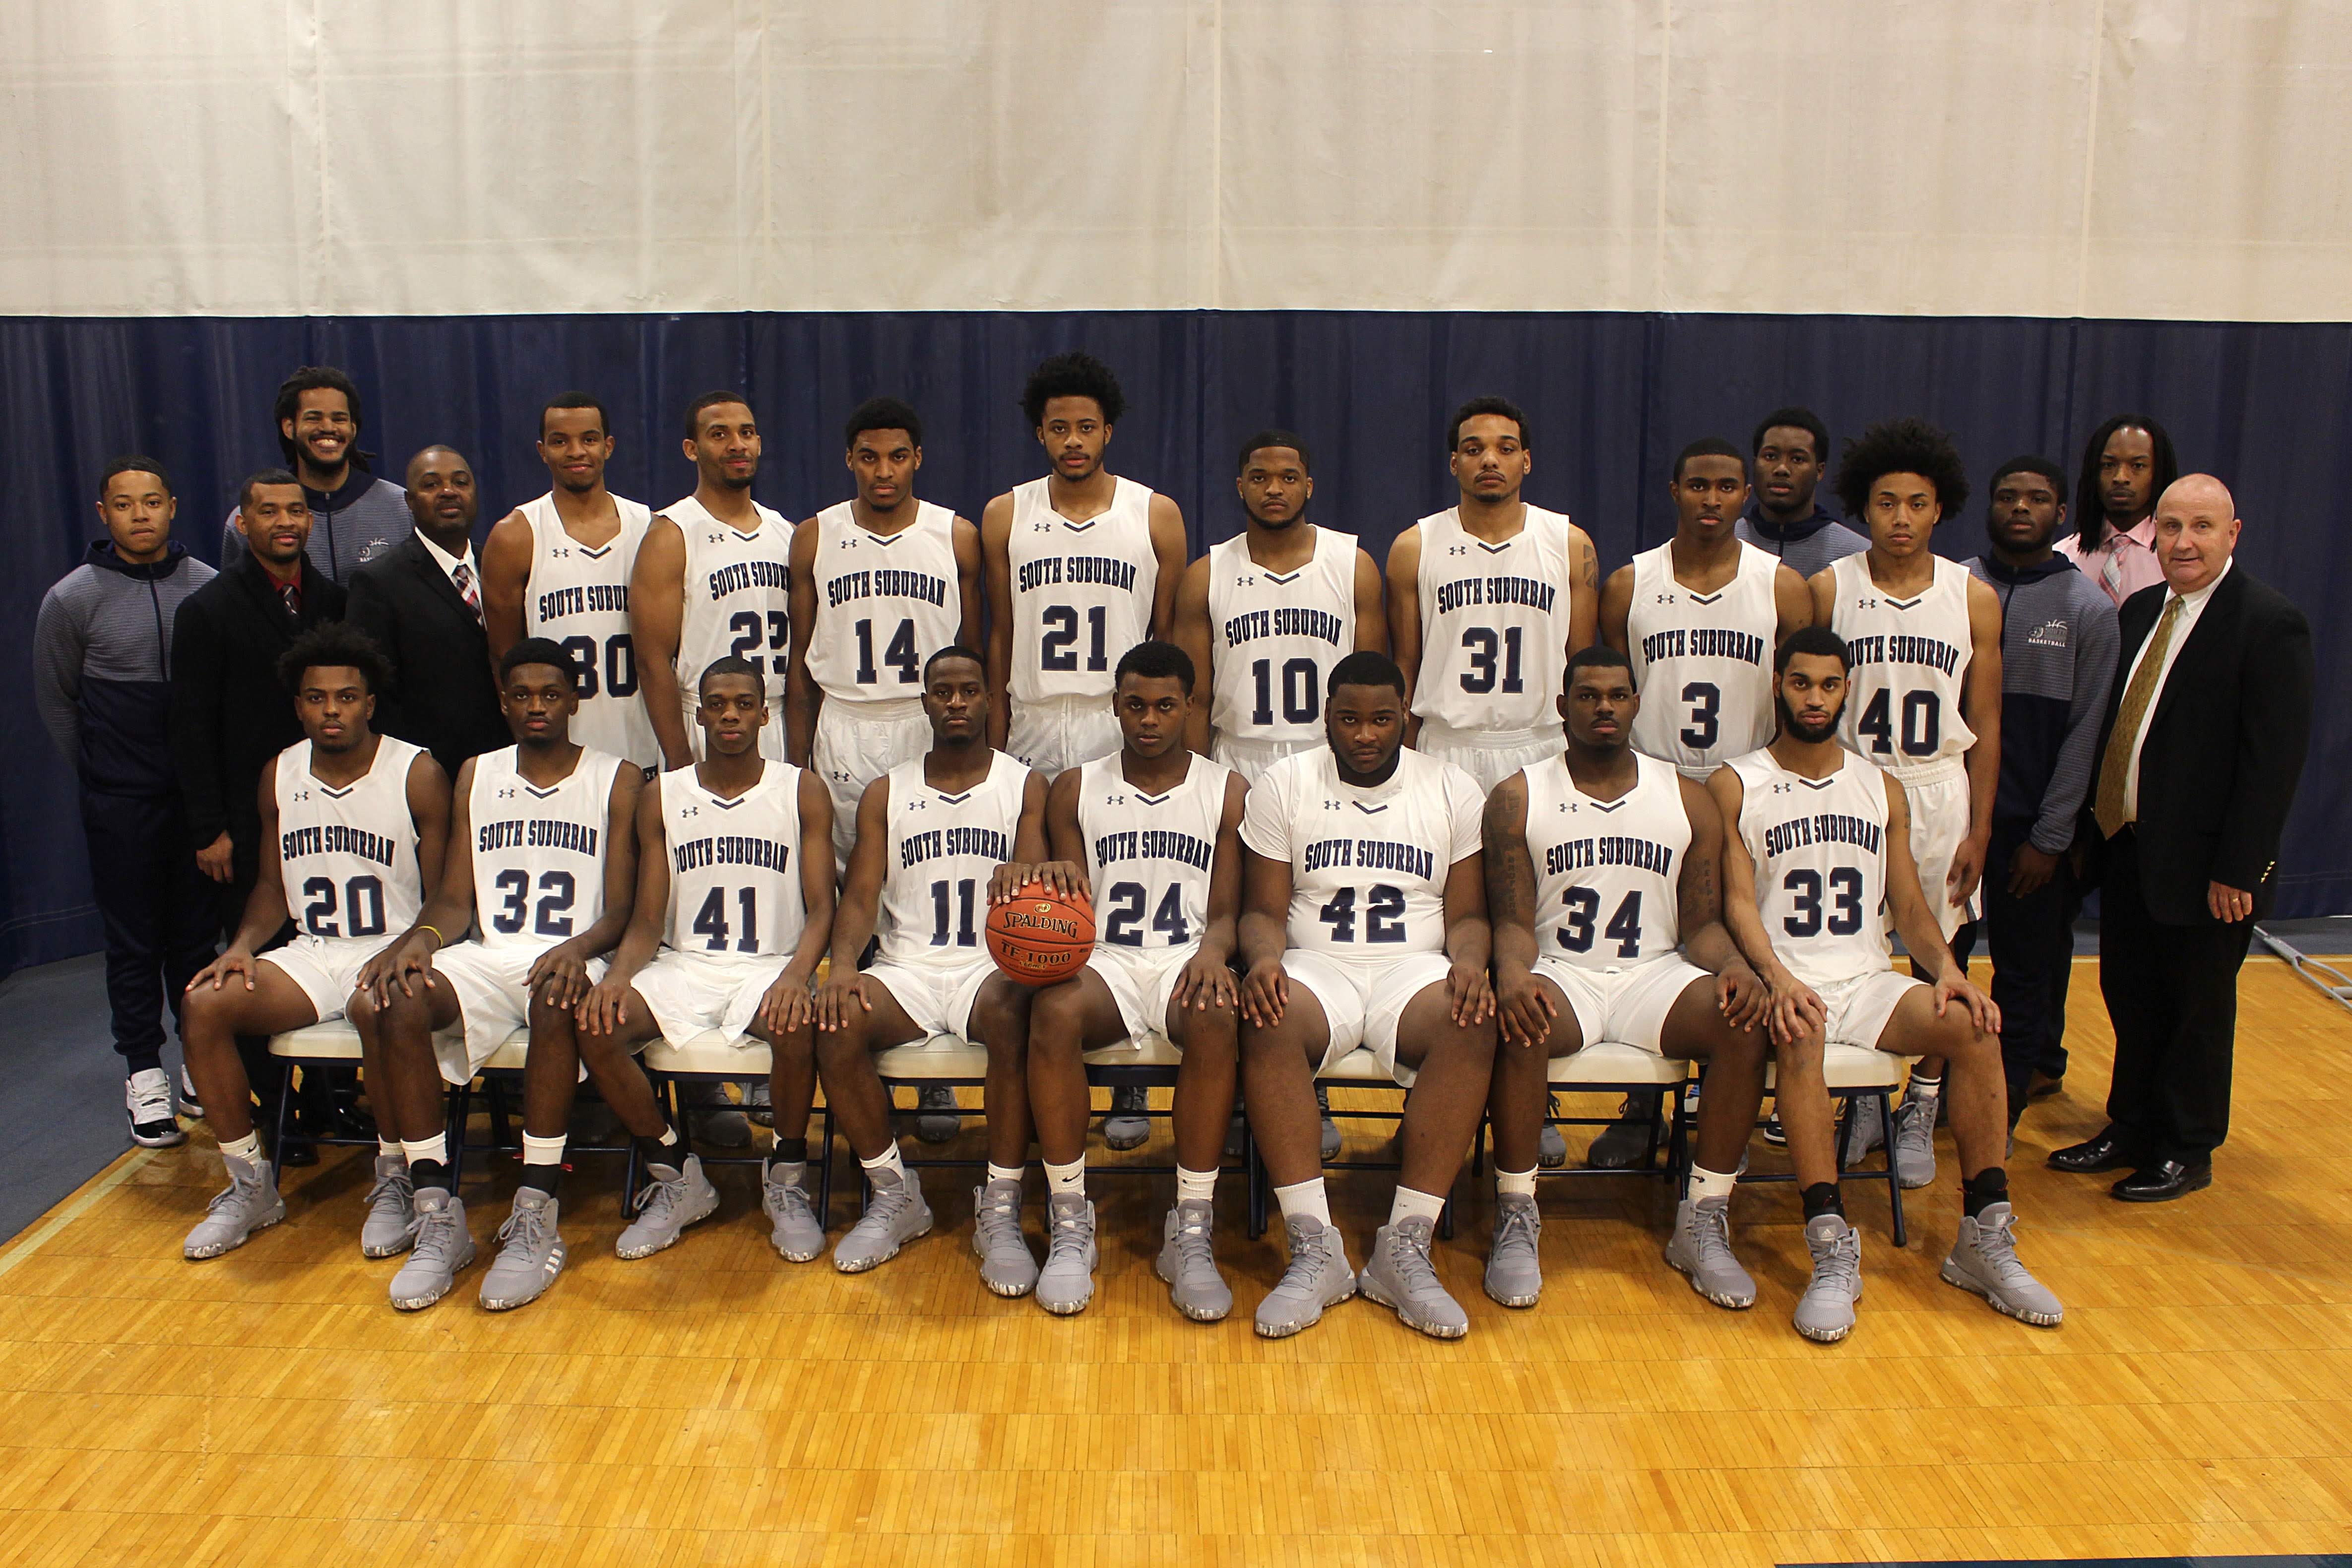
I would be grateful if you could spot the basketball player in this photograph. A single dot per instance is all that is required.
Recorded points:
(1265, 614)
(1364, 922)
(1925, 698)
(559, 567)
(880, 582)
(1486, 600)
(1605, 892)
(1081, 565)
(1821, 844)
(939, 840)
(541, 855)
(734, 903)
(712, 579)
(1157, 827)
(353, 829)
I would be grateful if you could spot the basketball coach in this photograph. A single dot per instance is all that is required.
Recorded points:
(2202, 745)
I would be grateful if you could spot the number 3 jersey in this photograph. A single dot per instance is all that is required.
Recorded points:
(1819, 846)
(538, 854)
(1702, 661)
(1149, 856)
(1368, 866)
(579, 596)
(1082, 592)
(1910, 665)
(738, 601)
(1607, 871)
(348, 855)
(885, 604)
(942, 848)
(734, 889)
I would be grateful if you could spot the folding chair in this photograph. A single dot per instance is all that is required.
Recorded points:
(320, 1046)
(1611, 1067)
(1861, 1080)
(496, 1076)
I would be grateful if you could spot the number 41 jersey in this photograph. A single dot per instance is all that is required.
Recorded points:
(1367, 867)
(733, 888)
(1819, 846)
(538, 854)
(1607, 871)
(347, 856)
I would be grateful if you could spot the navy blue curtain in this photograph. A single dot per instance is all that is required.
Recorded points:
(1610, 397)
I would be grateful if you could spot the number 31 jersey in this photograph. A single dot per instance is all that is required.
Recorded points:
(347, 856)
(1149, 856)
(1910, 666)
(580, 596)
(538, 854)
(1702, 662)
(733, 888)
(1367, 867)
(942, 850)
(1494, 624)
(1607, 871)
(1819, 846)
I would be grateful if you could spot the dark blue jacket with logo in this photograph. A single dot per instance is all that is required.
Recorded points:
(103, 666)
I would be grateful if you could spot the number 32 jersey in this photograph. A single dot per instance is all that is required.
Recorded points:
(538, 854)
(1819, 846)
(1367, 867)
(1910, 666)
(347, 856)
(734, 887)
(1607, 871)
(1149, 856)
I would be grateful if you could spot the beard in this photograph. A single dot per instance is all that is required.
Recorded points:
(1791, 724)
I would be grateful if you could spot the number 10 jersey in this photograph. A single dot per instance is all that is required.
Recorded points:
(1819, 846)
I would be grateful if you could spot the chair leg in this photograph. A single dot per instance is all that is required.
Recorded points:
(1894, 1182)
(453, 1126)
(285, 1113)
(824, 1151)
(1255, 1183)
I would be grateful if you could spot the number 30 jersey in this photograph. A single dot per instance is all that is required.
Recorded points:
(538, 854)
(580, 596)
(1149, 856)
(1819, 846)
(347, 856)
(1702, 662)
(733, 886)
(1082, 592)
(1607, 871)
(942, 850)
(1367, 867)
(1910, 665)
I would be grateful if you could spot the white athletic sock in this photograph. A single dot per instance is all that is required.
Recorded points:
(1523, 1183)
(791, 1173)
(1195, 1186)
(1000, 1173)
(539, 1151)
(1922, 1086)
(247, 1148)
(669, 1139)
(1071, 1178)
(435, 1148)
(1305, 1198)
(387, 1147)
(888, 1160)
(1705, 1183)
(1412, 1205)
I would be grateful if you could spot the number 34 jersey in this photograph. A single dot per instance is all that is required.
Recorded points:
(538, 854)
(1149, 856)
(348, 855)
(1819, 846)
(1367, 867)
(1606, 871)
(733, 886)
(942, 848)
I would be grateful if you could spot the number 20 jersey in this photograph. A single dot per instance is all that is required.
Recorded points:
(1702, 662)
(1149, 856)
(734, 889)
(347, 856)
(1819, 846)
(942, 848)
(1606, 871)
(1367, 867)
(538, 854)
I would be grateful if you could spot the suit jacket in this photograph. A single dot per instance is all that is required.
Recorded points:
(443, 697)
(2224, 745)
(230, 713)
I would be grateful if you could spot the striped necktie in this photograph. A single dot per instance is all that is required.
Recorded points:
(463, 576)
(2116, 765)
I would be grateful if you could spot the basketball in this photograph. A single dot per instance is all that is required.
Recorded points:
(1041, 937)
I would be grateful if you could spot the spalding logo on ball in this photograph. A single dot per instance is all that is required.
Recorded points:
(1041, 937)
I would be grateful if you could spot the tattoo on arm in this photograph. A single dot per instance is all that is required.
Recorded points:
(1510, 872)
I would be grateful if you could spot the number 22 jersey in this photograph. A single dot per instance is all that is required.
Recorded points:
(538, 854)
(1819, 846)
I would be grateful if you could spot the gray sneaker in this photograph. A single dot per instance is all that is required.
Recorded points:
(673, 1199)
(250, 1204)
(1319, 1277)
(391, 1204)
(1066, 1283)
(938, 1117)
(1187, 1261)
(718, 1120)
(1127, 1128)
(1551, 1149)
(895, 1216)
(1330, 1147)
(1864, 1133)
(1400, 1275)
(1007, 1265)
(441, 1251)
(530, 1253)
(1514, 1272)
(1625, 1143)
(1825, 1311)
(1984, 1259)
(757, 1106)
(1915, 1140)
(796, 1235)
(1701, 1248)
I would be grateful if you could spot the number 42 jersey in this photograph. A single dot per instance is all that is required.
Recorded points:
(1819, 846)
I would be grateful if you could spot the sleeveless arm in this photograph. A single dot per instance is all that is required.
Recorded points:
(1371, 614)
(1169, 546)
(643, 932)
(428, 808)
(803, 696)
(1404, 619)
(861, 889)
(657, 619)
(1192, 632)
(996, 567)
(1583, 591)
(505, 578)
(1792, 605)
(971, 600)
(1617, 606)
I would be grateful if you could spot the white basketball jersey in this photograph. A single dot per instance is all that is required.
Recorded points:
(1149, 856)
(1367, 867)
(738, 600)
(885, 604)
(1607, 871)
(580, 596)
(349, 854)
(944, 848)
(1082, 592)
(1494, 624)
(1820, 850)
(1702, 661)
(538, 854)
(734, 887)
(1274, 637)
(1903, 708)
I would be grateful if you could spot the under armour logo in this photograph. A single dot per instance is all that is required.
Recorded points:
(1041, 527)
(561, 552)
(506, 794)
(1865, 604)
(1332, 805)
(1457, 549)
(690, 812)
(1666, 599)
(848, 544)
(1568, 805)
(1783, 789)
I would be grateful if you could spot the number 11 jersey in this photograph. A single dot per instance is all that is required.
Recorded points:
(1819, 846)
(942, 848)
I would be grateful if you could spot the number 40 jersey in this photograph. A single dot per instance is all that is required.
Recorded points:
(1819, 846)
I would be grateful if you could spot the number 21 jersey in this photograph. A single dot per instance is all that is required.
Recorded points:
(538, 854)
(942, 848)
(1819, 846)
(1082, 592)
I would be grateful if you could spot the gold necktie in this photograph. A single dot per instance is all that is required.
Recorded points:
(2116, 765)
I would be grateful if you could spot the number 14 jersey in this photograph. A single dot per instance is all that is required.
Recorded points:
(1819, 846)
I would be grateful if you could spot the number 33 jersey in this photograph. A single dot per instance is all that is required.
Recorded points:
(347, 856)
(1606, 871)
(1149, 856)
(1819, 846)
(1367, 867)
(734, 889)
(538, 854)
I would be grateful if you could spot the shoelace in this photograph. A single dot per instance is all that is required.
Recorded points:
(1711, 1230)
(1998, 1247)
(1070, 1232)
(398, 1185)
(789, 1195)
(1409, 1254)
(437, 1236)
(1515, 1224)
(1841, 1265)
(667, 1194)
(1192, 1246)
(525, 1227)
(235, 1192)
(1307, 1259)
(151, 1104)
(997, 1220)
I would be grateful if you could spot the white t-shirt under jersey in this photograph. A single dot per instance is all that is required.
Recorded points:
(1607, 871)
(538, 854)
(734, 883)
(1274, 637)
(1702, 663)
(1820, 850)
(1910, 665)
(885, 604)
(1082, 592)
(1494, 624)
(348, 855)
(579, 596)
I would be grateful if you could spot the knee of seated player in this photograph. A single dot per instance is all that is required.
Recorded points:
(1799, 1058)
(795, 1041)
(360, 1007)
(1057, 1021)
(1957, 1040)
(1213, 1032)
(1000, 1017)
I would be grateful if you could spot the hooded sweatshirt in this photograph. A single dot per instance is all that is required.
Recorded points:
(364, 520)
(1806, 546)
(2058, 650)
(101, 666)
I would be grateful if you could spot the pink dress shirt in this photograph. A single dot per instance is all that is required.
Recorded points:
(2121, 564)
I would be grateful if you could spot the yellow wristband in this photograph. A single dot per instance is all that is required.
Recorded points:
(438, 939)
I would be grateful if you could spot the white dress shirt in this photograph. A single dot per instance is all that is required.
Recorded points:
(2192, 605)
(450, 564)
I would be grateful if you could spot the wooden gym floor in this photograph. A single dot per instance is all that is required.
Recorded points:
(715, 1405)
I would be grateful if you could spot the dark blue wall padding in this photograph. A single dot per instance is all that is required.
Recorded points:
(1610, 397)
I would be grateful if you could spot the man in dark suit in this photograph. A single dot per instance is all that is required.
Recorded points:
(2203, 742)
(421, 603)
